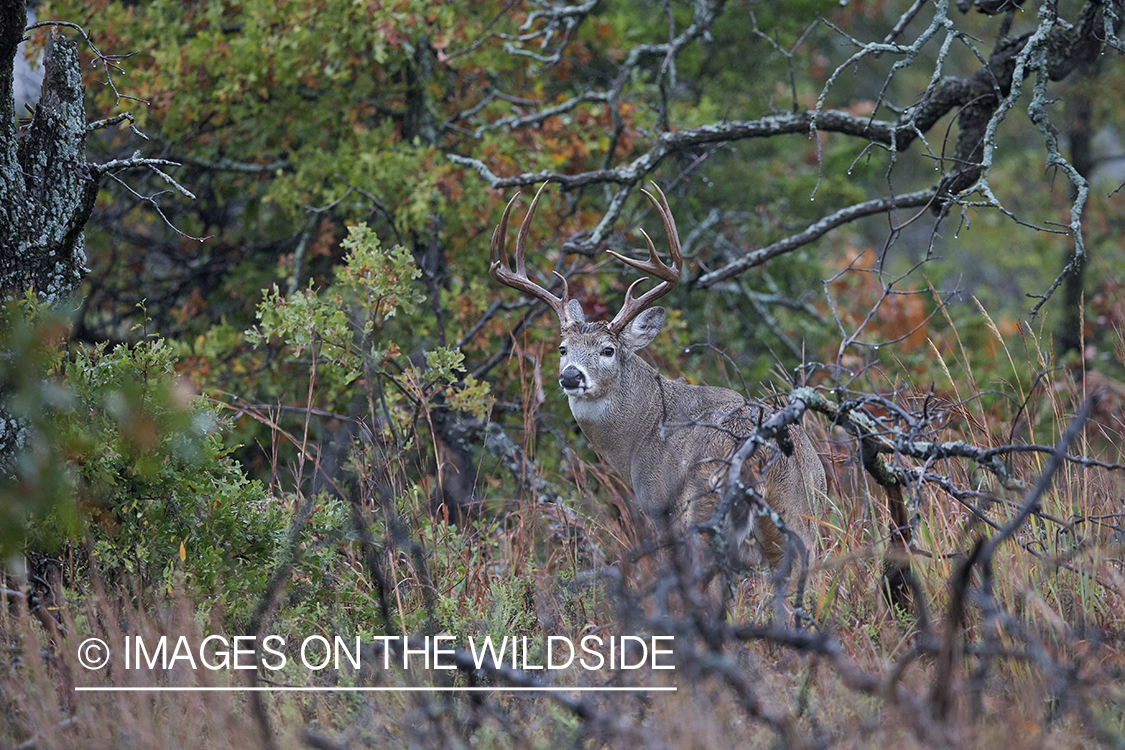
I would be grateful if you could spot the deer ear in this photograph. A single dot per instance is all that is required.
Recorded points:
(643, 329)
(574, 312)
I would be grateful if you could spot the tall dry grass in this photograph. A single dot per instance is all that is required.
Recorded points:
(1038, 663)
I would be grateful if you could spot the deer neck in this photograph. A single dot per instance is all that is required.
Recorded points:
(619, 422)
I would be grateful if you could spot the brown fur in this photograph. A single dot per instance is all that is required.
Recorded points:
(670, 440)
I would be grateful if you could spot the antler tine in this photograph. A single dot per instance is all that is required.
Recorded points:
(525, 227)
(669, 275)
(500, 269)
(669, 224)
(497, 254)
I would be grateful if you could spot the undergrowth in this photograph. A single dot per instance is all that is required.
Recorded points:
(549, 549)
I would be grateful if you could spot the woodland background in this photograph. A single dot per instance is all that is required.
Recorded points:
(256, 377)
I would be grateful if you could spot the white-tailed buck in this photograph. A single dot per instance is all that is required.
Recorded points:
(669, 439)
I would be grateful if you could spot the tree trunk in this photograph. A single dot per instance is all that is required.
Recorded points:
(1080, 133)
(47, 188)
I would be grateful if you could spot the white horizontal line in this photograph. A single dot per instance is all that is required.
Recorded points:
(313, 689)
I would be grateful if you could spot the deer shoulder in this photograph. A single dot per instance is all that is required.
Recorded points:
(669, 439)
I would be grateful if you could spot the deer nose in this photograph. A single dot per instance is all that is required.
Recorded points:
(571, 378)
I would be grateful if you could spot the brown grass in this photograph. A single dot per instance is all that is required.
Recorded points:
(1041, 669)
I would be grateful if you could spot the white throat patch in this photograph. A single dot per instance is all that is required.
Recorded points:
(588, 409)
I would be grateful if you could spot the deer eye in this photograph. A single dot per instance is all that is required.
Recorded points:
(562, 350)
(607, 352)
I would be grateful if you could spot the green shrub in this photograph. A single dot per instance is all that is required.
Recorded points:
(117, 451)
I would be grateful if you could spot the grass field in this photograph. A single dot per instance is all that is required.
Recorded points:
(1013, 639)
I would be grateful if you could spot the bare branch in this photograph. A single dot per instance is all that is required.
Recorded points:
(230, 165)
(815, 231)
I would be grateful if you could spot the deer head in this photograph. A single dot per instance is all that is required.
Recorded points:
(667, 438)
(594, 355)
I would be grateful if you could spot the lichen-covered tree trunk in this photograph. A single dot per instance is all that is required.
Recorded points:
(47, 190)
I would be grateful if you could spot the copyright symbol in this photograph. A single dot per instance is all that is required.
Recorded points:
(93, 653)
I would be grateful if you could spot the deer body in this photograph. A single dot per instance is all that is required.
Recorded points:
(669, 439)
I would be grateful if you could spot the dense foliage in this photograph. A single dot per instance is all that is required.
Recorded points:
(290, 399)
(120, 453)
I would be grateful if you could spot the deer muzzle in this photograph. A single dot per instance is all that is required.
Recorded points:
(572, 379)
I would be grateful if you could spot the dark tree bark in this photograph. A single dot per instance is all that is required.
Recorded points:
(1080, 133)
(47, 188)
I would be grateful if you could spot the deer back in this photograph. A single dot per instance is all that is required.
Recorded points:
(671, 440)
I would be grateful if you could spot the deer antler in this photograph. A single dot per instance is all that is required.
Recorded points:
(498, 261)
(669, 275)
